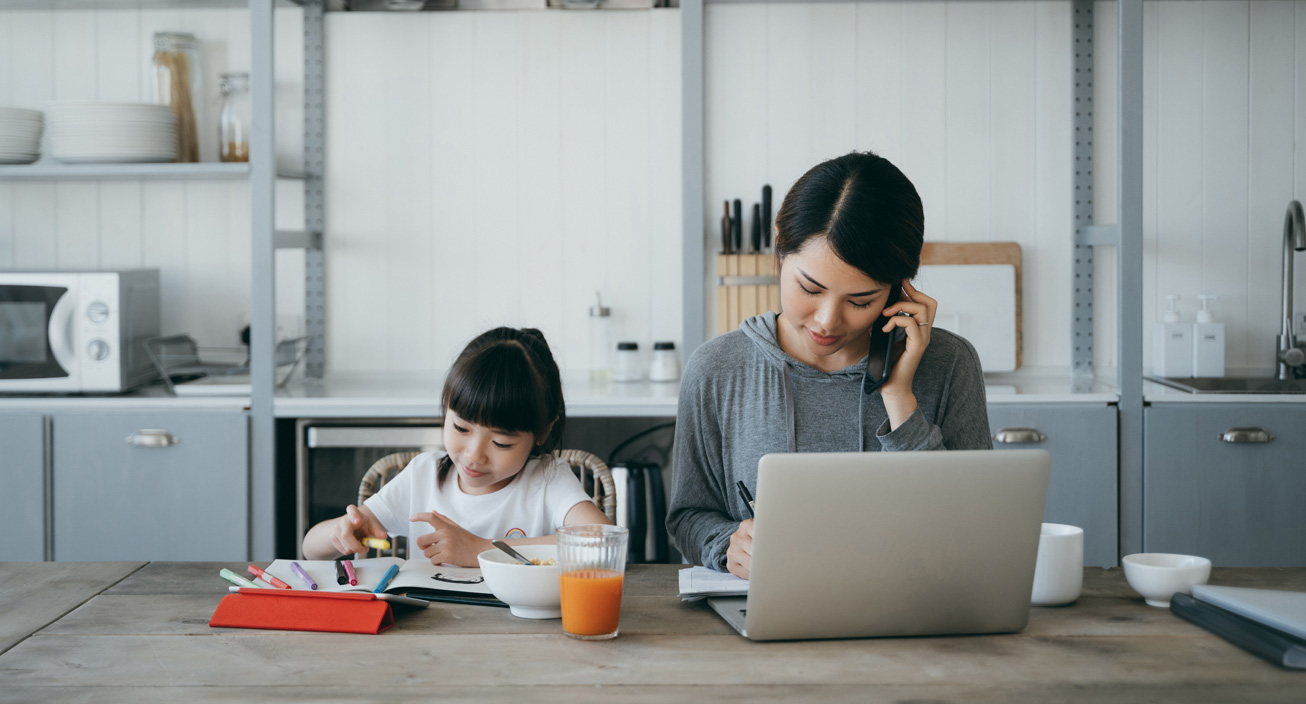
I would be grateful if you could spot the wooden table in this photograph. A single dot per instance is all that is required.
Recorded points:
(100, 632)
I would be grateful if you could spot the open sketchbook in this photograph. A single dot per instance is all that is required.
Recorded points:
(700, 582)
(417, 578)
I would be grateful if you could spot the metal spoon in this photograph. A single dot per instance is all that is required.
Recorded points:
(511, 553)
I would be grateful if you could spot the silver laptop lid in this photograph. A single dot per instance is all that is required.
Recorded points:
(850, 545)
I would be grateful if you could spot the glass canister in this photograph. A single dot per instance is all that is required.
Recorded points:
(664, 365)
(628, 365)
(177, 84)
(233, 118)
(600, 339)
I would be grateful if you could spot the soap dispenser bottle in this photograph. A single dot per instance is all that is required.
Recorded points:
(1208, 342)
(1172, 343)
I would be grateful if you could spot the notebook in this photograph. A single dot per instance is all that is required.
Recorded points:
(416, 578)
(850, 545)
(1282, 610)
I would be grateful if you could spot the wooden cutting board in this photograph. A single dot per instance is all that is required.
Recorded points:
(980, 253)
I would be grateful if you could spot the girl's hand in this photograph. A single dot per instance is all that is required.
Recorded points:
(739, 556)
(449, 543)
(350, 529)
(897, 393)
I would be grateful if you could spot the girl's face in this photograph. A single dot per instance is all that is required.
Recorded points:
(485, 458)
(829, 307)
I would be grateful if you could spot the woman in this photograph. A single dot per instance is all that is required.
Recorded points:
(848, 236)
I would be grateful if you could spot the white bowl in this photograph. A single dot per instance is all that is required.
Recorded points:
(530, 591)
(1158, 575)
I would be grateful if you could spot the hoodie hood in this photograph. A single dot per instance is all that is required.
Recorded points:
(761, 330)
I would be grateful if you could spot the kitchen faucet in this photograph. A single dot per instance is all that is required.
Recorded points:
(1294, 238)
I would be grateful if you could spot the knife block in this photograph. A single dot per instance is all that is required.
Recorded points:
(747, 285)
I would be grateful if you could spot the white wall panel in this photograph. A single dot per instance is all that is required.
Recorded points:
(453, 213)
(924, 109)
(879, 83)
(967, 198)
(629, 139)
(664, 169)
(406, 83)
(539, 219)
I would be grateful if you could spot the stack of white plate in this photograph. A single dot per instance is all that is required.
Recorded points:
(20, 135)
(110, 132)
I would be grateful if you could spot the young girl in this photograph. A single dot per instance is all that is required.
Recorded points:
(497, 478)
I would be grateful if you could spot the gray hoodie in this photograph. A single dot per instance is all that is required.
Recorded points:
(743, 397)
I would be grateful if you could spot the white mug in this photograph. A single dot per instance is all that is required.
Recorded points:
(1059, 571)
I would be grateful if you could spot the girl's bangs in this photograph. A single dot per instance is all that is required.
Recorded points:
(495, 392)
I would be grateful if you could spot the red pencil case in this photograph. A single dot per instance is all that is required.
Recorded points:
(296, 610)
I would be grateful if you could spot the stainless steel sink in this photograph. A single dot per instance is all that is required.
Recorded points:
(1235, 385)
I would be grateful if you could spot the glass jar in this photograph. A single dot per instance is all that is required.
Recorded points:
(233, 118)
(628, 366)
(177, 84)
(600, 339)
(664, 366)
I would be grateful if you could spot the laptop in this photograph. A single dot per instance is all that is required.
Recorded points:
(854, 545)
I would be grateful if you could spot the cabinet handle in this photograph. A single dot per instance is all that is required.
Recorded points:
(1019, 436)
(152, 437)
(1246, 435)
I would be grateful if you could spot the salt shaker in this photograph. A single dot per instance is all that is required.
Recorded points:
(628, 366)
(664, 366)
(600, 339)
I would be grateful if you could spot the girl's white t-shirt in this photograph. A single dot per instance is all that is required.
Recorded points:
(533, 504)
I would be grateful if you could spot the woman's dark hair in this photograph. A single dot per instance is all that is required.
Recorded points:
(506, 379)
(867, 210)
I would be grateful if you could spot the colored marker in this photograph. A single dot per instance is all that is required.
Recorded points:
(385, 581)
(341, 577)
(294, 566)
(254, 570)
(377, 543)
(237, 579)
(349, 570)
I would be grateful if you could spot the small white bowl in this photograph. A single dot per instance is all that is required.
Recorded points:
(530, 591)
(1159, 576)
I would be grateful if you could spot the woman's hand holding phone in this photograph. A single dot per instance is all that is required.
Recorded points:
(899, 400)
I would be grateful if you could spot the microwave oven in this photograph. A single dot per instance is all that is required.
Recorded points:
(77, 331)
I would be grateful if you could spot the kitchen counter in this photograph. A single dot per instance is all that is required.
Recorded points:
(155, 397)
(138, 632)
(1160, 393)
(395, 395)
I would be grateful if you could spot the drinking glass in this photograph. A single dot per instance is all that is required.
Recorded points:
(592, 559)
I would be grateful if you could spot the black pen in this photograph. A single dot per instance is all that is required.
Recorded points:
(748, 498)
(341, 577)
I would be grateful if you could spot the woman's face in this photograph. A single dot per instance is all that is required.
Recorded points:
(829, 307)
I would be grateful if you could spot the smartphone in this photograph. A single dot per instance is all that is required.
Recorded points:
(885, 348)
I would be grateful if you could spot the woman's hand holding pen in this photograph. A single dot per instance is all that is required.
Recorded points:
(449, 543)
(350, 529)
(920, 310)
(739, 556)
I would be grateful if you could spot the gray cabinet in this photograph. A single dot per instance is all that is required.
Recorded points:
(1237, 503)
(151, 486)
(22, 474)
(1082, 488)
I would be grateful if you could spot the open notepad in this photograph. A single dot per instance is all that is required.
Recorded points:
(417, 578)
(701, 582)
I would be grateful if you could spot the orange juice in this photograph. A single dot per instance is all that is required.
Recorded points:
(591, 602)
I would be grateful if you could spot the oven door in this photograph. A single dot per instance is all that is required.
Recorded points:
(37, 342)
(334, 454)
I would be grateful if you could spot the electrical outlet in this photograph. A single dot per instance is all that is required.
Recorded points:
(289, 326)
(1299, 323)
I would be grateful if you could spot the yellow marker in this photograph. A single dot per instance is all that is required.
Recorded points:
(377, 543)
